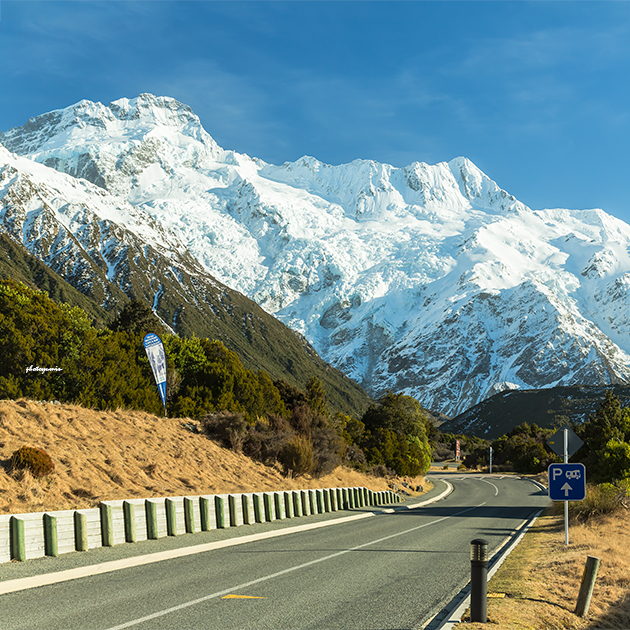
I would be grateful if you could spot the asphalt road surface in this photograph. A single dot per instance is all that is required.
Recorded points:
(389, 571)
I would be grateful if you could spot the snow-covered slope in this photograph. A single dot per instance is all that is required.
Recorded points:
(428, 279)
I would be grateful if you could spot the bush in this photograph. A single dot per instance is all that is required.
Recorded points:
(35, 460)
(297, 456)
(227, 427)
(266, 439)
(381, 471)
(605, 498)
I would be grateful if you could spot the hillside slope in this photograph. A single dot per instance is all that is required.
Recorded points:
(86, 240)
(548, 408)
(102, 455)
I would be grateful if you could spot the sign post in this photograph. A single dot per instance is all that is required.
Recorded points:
(564, 442)
(157, 358)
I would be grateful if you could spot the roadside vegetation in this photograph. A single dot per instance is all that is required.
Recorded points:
(53, 352)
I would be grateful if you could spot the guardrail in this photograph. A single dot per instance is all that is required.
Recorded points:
(38, 534)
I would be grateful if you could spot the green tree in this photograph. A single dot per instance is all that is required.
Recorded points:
(137, 318)
(316, 396)
(606, 435)
(397, 412)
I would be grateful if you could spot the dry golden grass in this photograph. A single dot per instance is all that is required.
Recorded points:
(541, 577)
(102, 456)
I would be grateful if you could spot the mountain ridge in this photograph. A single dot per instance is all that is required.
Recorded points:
(430, 280)
(50, 217)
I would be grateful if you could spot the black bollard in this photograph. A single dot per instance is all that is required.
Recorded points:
(479, 580)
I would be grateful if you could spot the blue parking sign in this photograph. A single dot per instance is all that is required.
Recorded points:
(567, 482)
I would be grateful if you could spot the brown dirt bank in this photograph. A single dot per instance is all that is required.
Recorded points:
(107, 455)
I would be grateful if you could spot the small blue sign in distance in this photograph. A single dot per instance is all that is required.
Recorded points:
(567, 482)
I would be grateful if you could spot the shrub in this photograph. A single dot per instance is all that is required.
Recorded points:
(380, 470)
(228, 427)
(297, 456)
(605, 498)
(266, 439)
(38, 462)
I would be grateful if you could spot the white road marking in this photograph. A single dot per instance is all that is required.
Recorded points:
(200, 600)
(496, 490)
(21, 584)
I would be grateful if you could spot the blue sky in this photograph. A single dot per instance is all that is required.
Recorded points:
(537, 94)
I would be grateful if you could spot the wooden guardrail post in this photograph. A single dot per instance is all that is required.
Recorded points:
(129, 515)
(171, 517)
(189, 515)
(219, 510)
(150, 508)
(80, 532)
(204, 509)
(107, 525)
(587, 586)
(51, 547)
(247, 518)
(18, 544)
(258, 509)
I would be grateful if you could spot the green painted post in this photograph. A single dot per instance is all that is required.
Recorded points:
(107, 525)
(345, 499)
(150, 509)
(288, 505)
(586, 587)
(171, 517)
(333, 500)
(339, 499)
(204, 510)
(232, 510)
(189, 515)
(277, 503)
(319, 498)
(312, 502)
(129, 514)
(247, 519)
(51, 547)
(297, 504)
(304, 502)
(327, 500)
(18, 544)
(219, 511)
(258, 508)
(351, 497)
(268, 507)
(80, 532)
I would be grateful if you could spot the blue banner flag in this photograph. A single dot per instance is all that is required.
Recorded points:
(157, 358)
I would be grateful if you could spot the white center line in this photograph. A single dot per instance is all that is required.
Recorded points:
(232, 589)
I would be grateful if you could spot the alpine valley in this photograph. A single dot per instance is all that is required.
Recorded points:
(427, 279)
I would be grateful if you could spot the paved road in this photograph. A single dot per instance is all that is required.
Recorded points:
(390, 571)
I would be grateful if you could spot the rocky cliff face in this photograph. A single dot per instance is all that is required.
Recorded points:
(428, 279)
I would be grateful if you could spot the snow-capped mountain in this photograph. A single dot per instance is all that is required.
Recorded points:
(427, 279)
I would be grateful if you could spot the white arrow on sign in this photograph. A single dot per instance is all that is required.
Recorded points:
(566, 489)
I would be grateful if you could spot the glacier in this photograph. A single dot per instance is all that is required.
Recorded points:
(426, 279)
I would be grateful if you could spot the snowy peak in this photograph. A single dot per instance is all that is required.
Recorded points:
(479, 189)
(112, 146)
(427, 279)
(159, 110)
